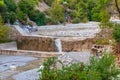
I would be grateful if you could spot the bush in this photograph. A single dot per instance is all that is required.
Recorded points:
(22, 17)
(25, 6)
(49, 2)
(9, 17)
(76, 20)
(97, 69)
(38, 17)
(104, 16)
(116, 33)
(11, 6)
(4, 32)
(50, 21)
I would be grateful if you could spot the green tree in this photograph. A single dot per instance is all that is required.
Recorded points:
(4, 32)
(104, 16)
(11, 6)
(38, 17)
(9, 17)
(57, 12)
(25, 6)
(2, 6)
(22, 17)
(81, 11)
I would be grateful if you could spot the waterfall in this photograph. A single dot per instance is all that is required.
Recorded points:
(58, 45)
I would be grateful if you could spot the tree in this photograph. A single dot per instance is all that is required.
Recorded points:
(117, 6)
(25, 6)
(38, 17)
(104, 16)
(9, 17)
(22, 17)
(57, 12)
(81, 11)
(4, 32)
(2, 6)
(11, 6)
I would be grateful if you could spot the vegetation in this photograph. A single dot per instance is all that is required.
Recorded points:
(4, 32)
(57, 12)
(79, 11)
(102, 41)
(116, 33)
(38, 17)
(97, 69)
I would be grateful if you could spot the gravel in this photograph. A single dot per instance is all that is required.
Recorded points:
(27, 75)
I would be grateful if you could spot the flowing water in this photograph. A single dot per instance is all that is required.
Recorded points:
(58, 45)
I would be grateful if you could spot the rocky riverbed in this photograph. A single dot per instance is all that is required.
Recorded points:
(13, 65)
(66, 58)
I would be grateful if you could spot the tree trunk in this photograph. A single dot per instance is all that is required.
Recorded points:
(118, 9)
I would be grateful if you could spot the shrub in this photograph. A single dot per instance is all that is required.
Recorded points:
(38, 17)
(76, 20)
(9, 17)
(102, 41)
(11, 6)
(98, 69)
(25, 6)
(116, 33)
(22, 17)
(4, 32)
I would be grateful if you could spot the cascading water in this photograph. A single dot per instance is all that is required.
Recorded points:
(58, 45)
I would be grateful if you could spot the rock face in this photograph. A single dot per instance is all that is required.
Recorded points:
(48, 44)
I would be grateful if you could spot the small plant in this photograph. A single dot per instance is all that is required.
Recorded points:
(102, 41)
(116, 33)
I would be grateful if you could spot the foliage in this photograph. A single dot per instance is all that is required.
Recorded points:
(104, 16)
(49, 2)
(22, 17)
(81, 12)
(25, 6)
(98, 69)
(102, 41)
(116, 33)
(11, 6)
(76, 20)
(9, 17)
(4, 32)
(57, 12)
(50, 21)
(38, 17)
(2, 6)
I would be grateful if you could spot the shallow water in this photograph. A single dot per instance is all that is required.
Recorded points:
(7, 61)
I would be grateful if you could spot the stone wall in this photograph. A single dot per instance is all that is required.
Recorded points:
(48, 44)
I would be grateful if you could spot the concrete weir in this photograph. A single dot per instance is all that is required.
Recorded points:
(74, 37)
